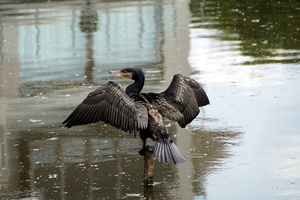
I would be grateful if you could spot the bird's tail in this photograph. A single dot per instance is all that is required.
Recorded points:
(167, 152)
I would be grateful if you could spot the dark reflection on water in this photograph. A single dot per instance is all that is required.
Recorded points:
(82, 167)
(101, 162)
(267, 30)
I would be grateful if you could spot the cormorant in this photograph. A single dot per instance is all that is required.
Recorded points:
(133, 111)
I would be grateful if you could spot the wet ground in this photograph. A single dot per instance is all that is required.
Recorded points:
(245, 145)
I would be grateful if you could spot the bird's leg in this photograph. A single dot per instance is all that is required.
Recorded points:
(145, 147)
(142, 151)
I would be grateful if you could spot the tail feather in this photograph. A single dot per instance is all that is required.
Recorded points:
(167, 152)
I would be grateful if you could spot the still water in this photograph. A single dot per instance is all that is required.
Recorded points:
(245, 145)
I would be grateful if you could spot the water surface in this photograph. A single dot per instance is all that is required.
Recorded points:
(245, 54)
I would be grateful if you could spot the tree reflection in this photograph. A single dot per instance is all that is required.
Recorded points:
(261, 26)
(88, 25)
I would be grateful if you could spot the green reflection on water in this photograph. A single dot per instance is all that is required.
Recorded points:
(261, 26)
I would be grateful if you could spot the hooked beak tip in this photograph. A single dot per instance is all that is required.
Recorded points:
(116, 72)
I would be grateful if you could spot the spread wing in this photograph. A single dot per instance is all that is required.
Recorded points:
(186, 95)
(110, 104)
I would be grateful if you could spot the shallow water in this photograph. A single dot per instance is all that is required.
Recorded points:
(245, 145)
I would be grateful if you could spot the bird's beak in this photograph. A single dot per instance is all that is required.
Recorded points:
(118, 73)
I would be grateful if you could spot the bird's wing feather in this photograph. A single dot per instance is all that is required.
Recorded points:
(161, 104)
(186, 95)
(110, 104)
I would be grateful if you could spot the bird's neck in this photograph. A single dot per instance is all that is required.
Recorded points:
(137, 86)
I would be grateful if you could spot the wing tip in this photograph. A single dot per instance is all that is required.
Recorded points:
(67, 124)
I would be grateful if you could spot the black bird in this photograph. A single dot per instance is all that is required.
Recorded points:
(133, 111)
